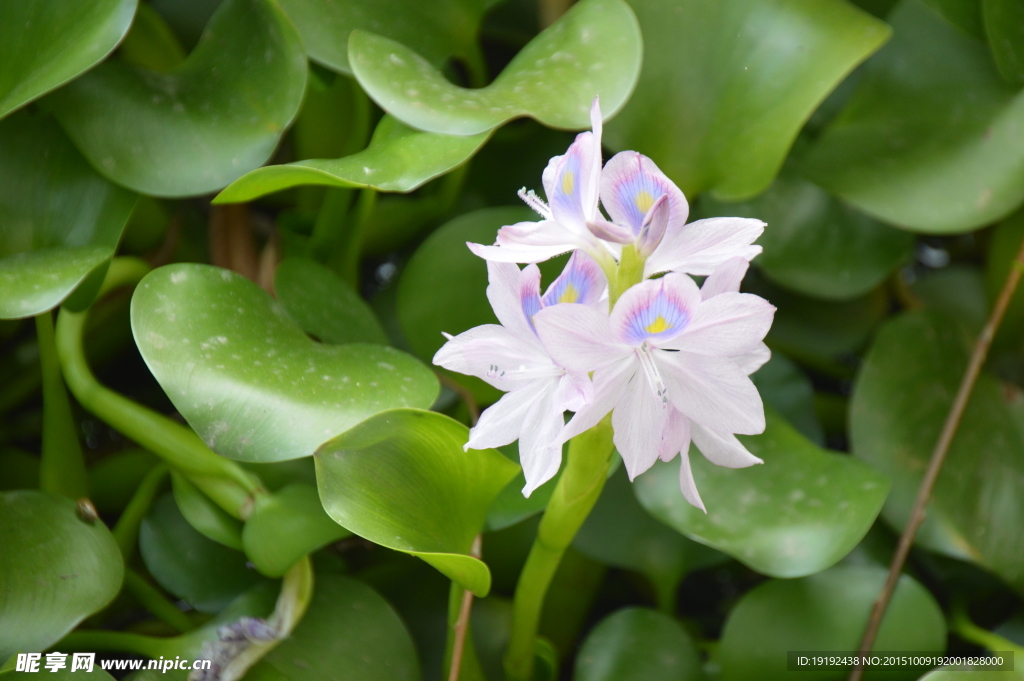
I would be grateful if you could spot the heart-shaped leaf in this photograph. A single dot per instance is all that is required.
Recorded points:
(437, 30)
(593, 49)
(209, 121)
(1004, 26)
(399, 159)
(401, 479)
(195, 568)
(904, 149)
(727, 85)
(349, 629)
(209, 519)
(443, 288)
(50, 42)
(619, 532)
(816, 245)
(826, 612)
(59, 220)
(634, 644)
(285, 526)
(797, 514)
(253, 385)
(324, 305)
(56, 569)
(900, 402)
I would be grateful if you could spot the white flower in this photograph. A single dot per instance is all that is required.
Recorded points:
(722, 449)
(662, 360)
(511, 358)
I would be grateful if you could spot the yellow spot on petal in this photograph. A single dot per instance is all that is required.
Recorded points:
(569, 295)
(657, 326)
(643, 201)
(568, 182)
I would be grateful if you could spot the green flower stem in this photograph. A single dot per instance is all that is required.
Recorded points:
(586, 470)
(347, 257)
(62, 466)
(630, 271)
(960, 623)
(95, 640)
(155, 602)
(224, 481)
(126, 531)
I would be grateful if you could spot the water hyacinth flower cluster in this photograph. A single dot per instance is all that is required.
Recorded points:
(624, 329)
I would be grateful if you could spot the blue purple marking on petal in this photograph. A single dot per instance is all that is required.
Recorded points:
(661, 316)
(582, 281)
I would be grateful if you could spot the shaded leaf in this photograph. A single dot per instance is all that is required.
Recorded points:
(727, 85)
(207, 575)
(930, 140)
(593, 49)
(253, 385)
(49, 43)
(823, 612)
(1004, 26)
(399, 159)
(324, 305)
(401, 479)
(285, 526)
(635, 644)
(511, 507)
(817, 245)
(204, 516)
(349, 630)
(59, 221)
(216, 116)
(900, 402)
(796, 514)
(789, 392)
(56, 569)
(113, 479)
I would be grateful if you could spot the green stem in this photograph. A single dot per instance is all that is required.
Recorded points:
(224, 481)
(62, 466)
(95, 640)
(630, 271)
(155, 602)
(350, 249)
(575, 495)
(960, 622)
(330, 223)
(126, 531)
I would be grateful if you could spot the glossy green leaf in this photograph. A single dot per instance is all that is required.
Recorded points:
(324, 305)
(817, 245)
(216, 116)
(593, 49)
(727, 85)
(956, 291)
(253, 385)
(399, 159)
(56, 569)
(789, 392)
(900, 402)
(113, 479)
(619, 532)
(634, 644)
(1004, 26)
(59, 221)
(907, 150)
(401, 479)
(953, 674)
(204, 515)
(204, 573)
(49, 43)
(443, 288)
(349, 632)
(796, 514)
(287, 525)
(826, 612)
(437, 30)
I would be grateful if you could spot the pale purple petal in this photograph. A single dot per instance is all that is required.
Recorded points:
(687, 485)
(568, 181)
(519, 253)
(631, 183)
(638, 421)
(578, 337)
(712, 392)
(653, 229)
(496, 355)
(609, 231)
(656, 310)
(609, 384)
(727, 324)
(504, 292)
(701, 246)
(502, 422)
(726, 278)
(752, 361)
(676, 436)
(582, 281)
(722, 449)
(540, 451)
(575, 390)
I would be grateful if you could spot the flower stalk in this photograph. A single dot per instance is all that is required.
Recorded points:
(590, 456)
